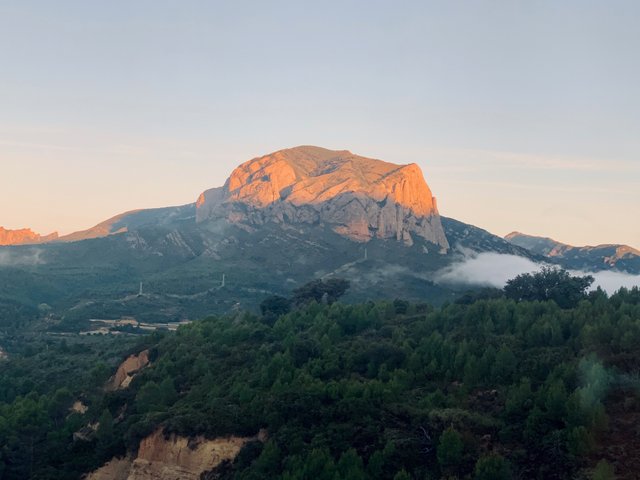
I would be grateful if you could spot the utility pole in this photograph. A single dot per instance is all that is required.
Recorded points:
(224, 277)
(365, 253)
(140, 292)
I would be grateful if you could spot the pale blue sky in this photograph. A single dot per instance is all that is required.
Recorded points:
(523, 115)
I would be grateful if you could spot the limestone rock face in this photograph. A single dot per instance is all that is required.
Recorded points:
(360, 198)
(24, 236)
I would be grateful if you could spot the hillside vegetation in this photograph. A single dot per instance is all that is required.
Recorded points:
(496, 385)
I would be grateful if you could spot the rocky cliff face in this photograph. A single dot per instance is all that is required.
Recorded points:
(173, 457)
(359, 198)
(127, 370)
(23, 237)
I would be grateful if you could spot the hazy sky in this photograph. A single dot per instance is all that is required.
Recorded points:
(523, 115)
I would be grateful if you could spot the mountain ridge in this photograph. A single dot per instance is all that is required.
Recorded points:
(238, 244)
(600, 257)
(262, 248)
(132, 219)
(232, 192)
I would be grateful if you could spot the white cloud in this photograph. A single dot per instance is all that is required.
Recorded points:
(494, 269)
(610, 281)
(487, 269)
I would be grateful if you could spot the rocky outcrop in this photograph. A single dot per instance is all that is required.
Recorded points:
(23, 236)
(173, 457)
(78, 407)
(359, 198)
(127, 370)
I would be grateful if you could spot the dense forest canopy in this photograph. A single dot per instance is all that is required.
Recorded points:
(494, 386)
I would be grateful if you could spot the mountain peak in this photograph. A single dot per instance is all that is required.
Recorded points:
(360, 197)
(23, 236)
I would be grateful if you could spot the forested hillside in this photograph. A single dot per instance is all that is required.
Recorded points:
(497, 385)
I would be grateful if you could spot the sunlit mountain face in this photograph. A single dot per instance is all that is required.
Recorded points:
(24, 236)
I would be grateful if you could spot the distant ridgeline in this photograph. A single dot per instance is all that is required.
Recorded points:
(278, 222)
(502, 384)
(600, 257)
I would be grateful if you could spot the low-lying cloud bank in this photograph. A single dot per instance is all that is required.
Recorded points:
(494, 269)
(611, 281)
(13, 258)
